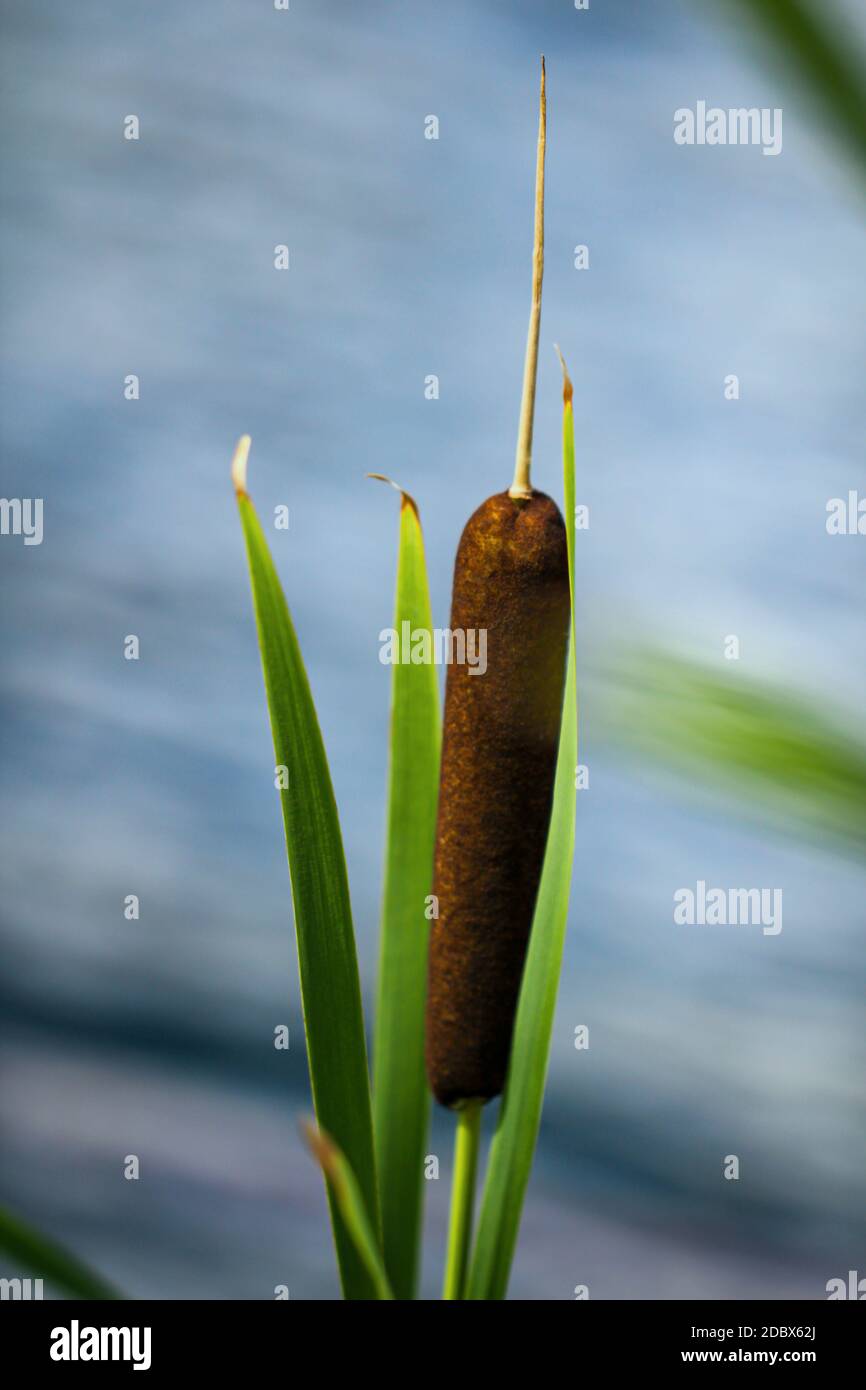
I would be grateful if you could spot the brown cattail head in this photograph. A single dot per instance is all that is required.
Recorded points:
(500, 738)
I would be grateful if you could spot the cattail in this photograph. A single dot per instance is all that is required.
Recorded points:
(500, 738)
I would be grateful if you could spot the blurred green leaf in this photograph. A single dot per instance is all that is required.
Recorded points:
(45, 1260)
(514, 1142)
(401, 1099)
(330, 988)
(815, 43)
(771, 752)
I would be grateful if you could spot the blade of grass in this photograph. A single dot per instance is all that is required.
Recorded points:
(784, 761)
(343, 1185)
(513, 1144)
(816, 44)
(401, 1100)
(330, 987)
(49, 1261)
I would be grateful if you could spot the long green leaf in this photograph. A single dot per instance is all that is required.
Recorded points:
(783, 761)
(330, 987)
(343, 1185)
(815, 43)
(513, 1144)
(401, 1100)
(46, 1260)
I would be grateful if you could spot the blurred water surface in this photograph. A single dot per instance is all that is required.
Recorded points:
(410, 257)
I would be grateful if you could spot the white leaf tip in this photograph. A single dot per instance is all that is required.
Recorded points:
(239, 463)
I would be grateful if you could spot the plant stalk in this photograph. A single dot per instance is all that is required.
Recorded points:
(522, 486)
(462, 1199)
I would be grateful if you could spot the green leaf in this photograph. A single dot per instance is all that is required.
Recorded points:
(48, 1261)
(401, 1100)
(330, 988)
(513, 1144)
(781, 760)
(343, 1186)
(816, 44)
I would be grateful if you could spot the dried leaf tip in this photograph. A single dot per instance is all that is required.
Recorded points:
(239, 464)
(323, 1149)
(567, 388)
(407, 500)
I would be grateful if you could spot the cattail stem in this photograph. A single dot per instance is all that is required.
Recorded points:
(522, 487)
(462, 1198)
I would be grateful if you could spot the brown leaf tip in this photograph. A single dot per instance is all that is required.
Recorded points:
(406, 499)
(323, 1149)
(567, 388)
